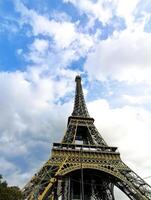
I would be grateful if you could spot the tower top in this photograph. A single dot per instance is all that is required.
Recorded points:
(80, 109)
(78, 78)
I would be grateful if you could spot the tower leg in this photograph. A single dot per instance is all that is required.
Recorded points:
(66, 189)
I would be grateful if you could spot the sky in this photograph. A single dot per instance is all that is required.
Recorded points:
(44, 44)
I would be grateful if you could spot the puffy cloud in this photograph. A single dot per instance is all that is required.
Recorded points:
(16, 177)
(127, 10)
(31, 109)
(140, 100)
(58, 42)
(101, 10)
(104, 10)
(124, 57)
(64, 34)
(62, 31)
(41, 45)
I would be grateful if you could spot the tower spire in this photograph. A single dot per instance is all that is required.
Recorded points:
(80, 109)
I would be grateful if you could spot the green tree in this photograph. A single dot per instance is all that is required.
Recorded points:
(9, 192)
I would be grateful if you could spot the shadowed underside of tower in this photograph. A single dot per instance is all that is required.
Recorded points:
(83, 166)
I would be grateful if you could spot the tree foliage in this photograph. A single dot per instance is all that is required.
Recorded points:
(9, 192)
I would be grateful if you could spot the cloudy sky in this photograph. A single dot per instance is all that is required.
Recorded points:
(43, 46)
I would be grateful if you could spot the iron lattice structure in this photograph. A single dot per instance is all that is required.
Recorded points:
(83, 166)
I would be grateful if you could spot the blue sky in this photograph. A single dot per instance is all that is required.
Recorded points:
(43, 46)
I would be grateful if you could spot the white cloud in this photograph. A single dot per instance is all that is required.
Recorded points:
(64, 34)
(6, 166)
(124, 57)
(13, 173)
(105, 10)
(44, 55)
(65, 41)
(127, 9)
(62, 31)
(30, 117)
(137, 99)
(101, 10)
(131, 11)
(40, 45)
(38, 52)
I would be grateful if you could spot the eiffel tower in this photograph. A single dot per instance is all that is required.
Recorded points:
(83, 166)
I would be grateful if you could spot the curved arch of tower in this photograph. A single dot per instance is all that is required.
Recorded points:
(83, 166)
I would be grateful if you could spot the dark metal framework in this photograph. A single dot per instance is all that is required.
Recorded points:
(83, 166)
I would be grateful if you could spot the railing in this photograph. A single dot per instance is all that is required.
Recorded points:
(83, 147)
